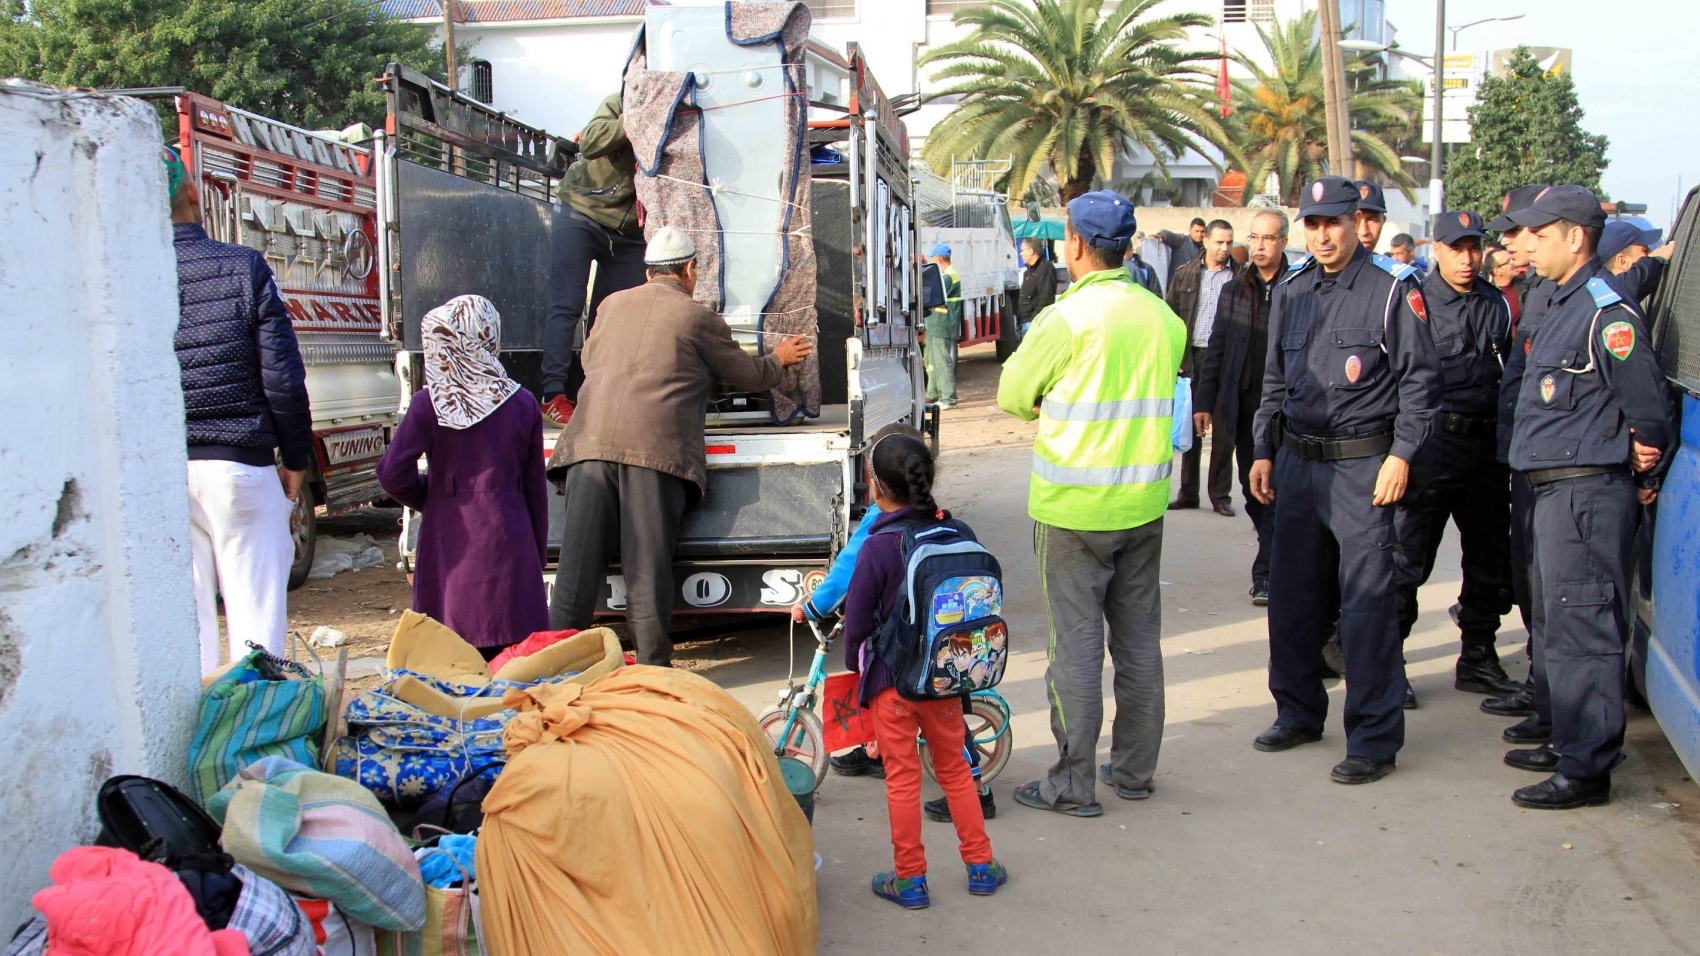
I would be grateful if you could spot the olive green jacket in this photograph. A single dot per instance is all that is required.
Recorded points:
(599, 183)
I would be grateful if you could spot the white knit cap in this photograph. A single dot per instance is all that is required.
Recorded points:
(669, 246)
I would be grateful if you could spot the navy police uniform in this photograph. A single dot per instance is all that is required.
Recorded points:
(1591, 377)
(1351, 377)
(1457, 477)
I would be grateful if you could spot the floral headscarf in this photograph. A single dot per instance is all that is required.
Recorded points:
(462, 338)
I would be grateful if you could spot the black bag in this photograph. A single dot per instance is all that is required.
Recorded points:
(460, 808)
(155, 821)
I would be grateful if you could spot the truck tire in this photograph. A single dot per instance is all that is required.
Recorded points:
(1009, 329)
(304, 530)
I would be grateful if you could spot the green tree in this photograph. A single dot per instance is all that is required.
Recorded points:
(1526, 127)
(1062, 82)
(307, 62)
(1282, 126)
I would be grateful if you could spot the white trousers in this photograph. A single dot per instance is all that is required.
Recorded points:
(239, 537)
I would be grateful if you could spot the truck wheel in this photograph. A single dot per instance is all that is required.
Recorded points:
(1009, 331)
(304, 531)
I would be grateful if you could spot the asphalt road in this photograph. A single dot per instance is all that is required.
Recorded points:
(1245, 852)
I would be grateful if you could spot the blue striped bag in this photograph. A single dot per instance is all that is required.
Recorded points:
(262, 707)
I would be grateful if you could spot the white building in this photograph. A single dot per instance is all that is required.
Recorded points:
(549, 62)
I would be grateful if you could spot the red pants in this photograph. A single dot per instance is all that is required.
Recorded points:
(896, 723)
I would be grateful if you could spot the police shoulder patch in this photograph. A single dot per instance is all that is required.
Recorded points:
(1602, 292)
(1298, 267)
(1414, 299)
(1619, 339)
(1393, 267)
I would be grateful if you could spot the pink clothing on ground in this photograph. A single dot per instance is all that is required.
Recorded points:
(106, 902)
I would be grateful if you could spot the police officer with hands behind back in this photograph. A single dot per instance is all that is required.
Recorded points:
(1351, 388)
(1591, 424)
(1456, 476)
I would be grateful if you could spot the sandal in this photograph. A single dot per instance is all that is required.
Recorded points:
(1028, 796)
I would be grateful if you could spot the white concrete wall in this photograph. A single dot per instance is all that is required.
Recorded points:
(98, 662)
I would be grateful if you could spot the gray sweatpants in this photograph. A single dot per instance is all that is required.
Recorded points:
(1090, 578)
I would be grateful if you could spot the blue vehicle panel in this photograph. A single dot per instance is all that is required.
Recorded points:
(1672, 662)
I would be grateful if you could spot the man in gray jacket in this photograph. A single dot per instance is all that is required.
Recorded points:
(631, 460)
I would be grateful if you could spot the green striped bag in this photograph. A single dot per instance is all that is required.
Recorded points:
(262, 707)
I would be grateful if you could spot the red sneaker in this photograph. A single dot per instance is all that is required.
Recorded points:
(559, 410)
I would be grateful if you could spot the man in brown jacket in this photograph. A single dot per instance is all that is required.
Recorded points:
(632, 456)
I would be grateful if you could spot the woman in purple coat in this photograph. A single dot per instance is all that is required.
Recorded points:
(479, 566)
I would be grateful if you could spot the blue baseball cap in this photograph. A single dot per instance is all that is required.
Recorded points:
(1104, 219)
(940, 251)
(1623, 233)
(1370, 198)
(1650, 237)
(1329, 196)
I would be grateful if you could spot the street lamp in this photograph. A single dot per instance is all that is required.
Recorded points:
(1457, 30)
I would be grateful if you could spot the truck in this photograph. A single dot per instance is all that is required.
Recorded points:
(465, 199)
(308, 201)
(971, 215)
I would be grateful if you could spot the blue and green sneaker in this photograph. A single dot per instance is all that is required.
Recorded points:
(907, 892)
(985, 878)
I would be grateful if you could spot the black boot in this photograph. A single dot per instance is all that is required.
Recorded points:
(1520, 704)
(1478, 670)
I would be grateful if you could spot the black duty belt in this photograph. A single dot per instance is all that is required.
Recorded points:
(1547, 476)
(1470, 426)
(1337, 449)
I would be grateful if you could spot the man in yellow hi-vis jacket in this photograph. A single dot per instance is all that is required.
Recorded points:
(1098, 369)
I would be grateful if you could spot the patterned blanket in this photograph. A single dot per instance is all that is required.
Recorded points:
(665, 125)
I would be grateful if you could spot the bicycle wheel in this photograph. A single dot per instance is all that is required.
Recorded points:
(807, 743)
(988, 723)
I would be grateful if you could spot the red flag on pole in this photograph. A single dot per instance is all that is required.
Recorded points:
(1224, 91)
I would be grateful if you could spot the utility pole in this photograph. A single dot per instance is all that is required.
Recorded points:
(1336, 105)
(1436, 189)
(449, 42)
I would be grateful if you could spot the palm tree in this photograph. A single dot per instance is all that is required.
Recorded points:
(1060, 82)
(1281, 122)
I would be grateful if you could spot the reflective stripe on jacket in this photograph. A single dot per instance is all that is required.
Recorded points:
(1100, 364)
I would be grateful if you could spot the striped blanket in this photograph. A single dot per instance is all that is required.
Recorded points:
(323, 836)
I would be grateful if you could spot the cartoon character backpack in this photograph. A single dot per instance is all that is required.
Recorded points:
(947, 637)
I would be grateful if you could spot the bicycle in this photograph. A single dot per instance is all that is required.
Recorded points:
(795, 729)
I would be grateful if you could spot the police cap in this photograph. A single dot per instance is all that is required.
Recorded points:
(1449, 227)
(1329, 196)
(1516, 200)
(1577, 204)
(1370, 198)
(1103, 218)
(1620, 235)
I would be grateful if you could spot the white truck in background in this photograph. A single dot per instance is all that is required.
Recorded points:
(971, 215)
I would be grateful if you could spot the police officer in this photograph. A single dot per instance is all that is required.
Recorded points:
(1457, 478)
(1592, 390)
(1351, 389)
(1371, 215)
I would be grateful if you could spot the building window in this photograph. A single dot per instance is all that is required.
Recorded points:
(829, 9)
(1248, 11)
(483, 82)
(944, 8)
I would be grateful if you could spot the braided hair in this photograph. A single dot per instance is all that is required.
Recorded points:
(904, 468)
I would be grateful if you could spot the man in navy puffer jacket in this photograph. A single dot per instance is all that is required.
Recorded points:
(245, 398)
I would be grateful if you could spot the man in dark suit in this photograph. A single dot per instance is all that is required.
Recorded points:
(1230, 376)
(1193, 294)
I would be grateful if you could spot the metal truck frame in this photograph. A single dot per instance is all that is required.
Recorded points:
(466, 198)
(308, 202)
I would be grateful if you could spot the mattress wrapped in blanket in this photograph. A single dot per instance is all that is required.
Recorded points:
(643, 813)
(716, 107)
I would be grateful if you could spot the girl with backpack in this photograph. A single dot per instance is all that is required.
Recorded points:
(902, 482)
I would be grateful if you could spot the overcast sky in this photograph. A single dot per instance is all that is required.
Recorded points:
(1636, 72)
